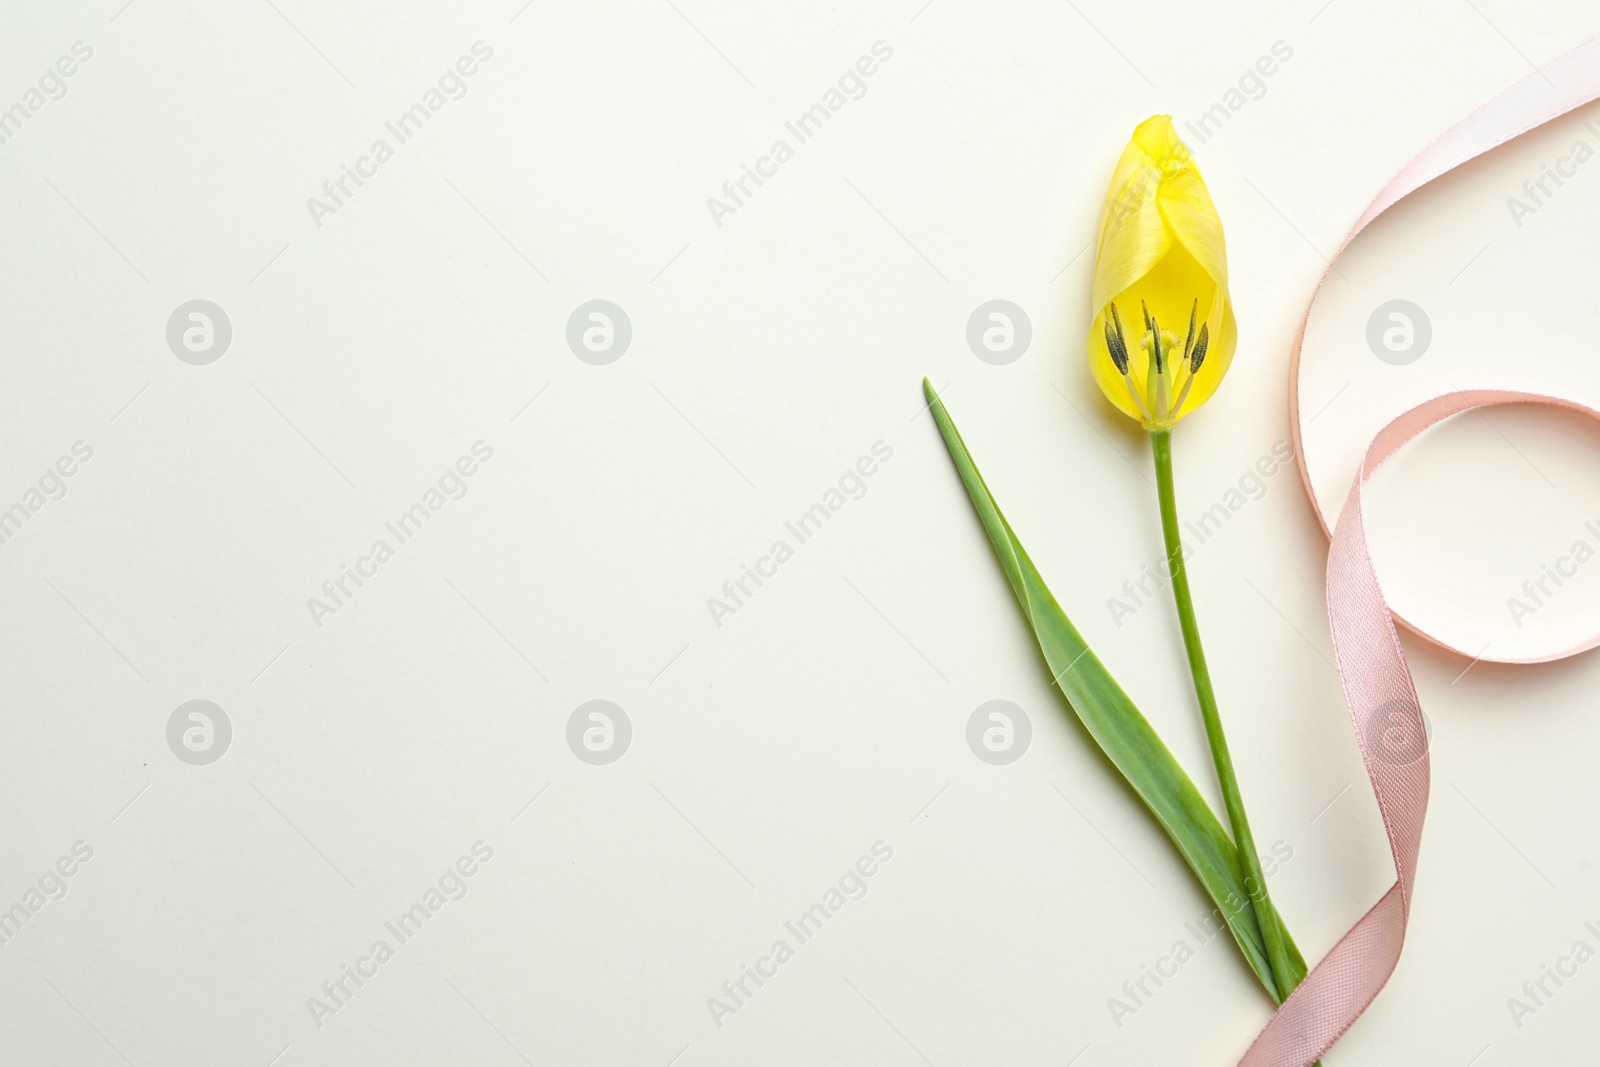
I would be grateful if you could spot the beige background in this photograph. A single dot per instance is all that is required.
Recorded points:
(768, 755)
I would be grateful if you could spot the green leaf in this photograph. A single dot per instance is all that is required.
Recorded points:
(1117, 726)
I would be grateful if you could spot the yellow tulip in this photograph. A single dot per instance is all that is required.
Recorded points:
(1161, 339)
(1163, 332)
(1161, 267)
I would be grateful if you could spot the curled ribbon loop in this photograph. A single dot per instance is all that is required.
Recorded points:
(1377, 683)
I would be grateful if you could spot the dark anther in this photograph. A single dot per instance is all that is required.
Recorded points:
(1155, 339)
(1146, 314)
(1188, 344)
(1200, 345)
(1115, 343)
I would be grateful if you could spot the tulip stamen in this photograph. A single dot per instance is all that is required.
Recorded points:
(1200, 347)
(1194, 353)
(1115, 343)
(1117, 346)
(1195, 359)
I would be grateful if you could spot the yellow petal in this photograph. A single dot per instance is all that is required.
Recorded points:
(1187, 209)
(1132, 237)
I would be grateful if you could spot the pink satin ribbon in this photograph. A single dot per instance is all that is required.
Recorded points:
(1372, 667)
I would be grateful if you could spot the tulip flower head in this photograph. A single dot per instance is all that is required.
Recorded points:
(1164, 332)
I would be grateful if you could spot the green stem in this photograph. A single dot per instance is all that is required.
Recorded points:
(1255, 883)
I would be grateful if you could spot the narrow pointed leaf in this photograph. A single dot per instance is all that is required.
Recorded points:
(1117, 725)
